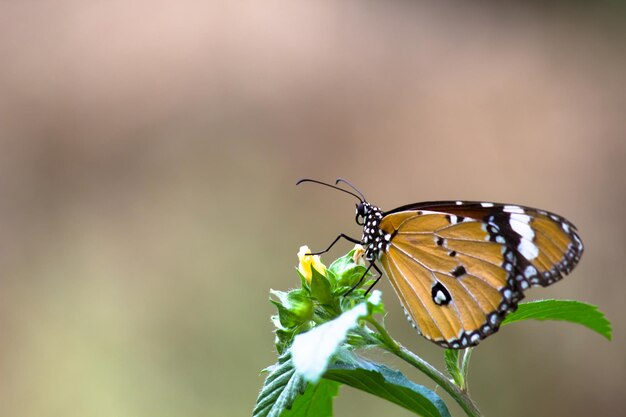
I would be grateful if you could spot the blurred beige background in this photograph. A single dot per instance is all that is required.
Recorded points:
(148, 156)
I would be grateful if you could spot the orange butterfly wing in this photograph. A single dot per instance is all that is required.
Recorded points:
(458, 273)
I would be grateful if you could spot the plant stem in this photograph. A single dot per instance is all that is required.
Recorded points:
(403, 353)
(455, 392)
(465, 367)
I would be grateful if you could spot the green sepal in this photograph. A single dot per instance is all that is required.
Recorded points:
(286, 317)
(320, 288)
(347, 271)
(298, 304)
(303, 282)
(332, 278)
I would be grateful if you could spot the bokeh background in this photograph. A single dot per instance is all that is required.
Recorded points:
(148, 156)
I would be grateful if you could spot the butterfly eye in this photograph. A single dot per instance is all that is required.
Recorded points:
(360, 214)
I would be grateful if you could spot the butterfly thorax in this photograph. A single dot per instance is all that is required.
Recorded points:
(375, 240)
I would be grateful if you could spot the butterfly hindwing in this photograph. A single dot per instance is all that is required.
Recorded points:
(459, 268)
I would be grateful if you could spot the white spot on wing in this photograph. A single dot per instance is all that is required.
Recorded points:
(530, 271)
(565, 227)
(579, 243)
(528, 249)
(519, 223)
(513, 209)
(524, 218)
(486, 204)
(440, 297)
(458, 203)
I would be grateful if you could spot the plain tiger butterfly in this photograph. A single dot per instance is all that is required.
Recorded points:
(459, 267)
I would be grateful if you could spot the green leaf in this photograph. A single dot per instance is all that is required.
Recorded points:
(312, 351)
(317, 400)
(294, 307)
(567, 310)
(300, 304)
(451, 357)
(347, 271)
(320, 287)
(339, 265)
(286, 318)
(280, 389)
(391, 385)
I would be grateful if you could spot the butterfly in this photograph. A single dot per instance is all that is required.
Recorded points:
(459, 267)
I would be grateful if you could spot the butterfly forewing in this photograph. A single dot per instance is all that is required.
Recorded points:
(542, 240)
(459, 268)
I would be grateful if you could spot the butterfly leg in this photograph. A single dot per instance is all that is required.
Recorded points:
(348, 238)
(380, 274)
(360, 280)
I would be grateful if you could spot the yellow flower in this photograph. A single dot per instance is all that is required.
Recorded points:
(306, 261)
(358, 256)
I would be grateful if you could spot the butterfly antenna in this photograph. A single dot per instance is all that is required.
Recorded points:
(361, 199)
(351, 186)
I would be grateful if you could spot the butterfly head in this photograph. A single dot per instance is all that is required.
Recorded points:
(362, 209)
(375, 240)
